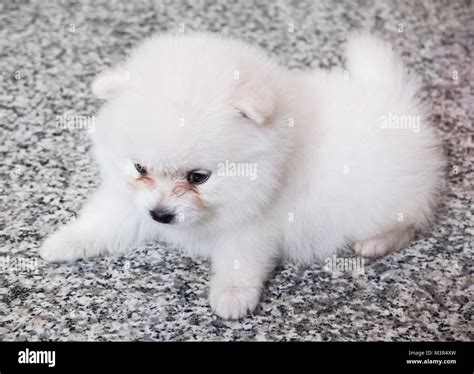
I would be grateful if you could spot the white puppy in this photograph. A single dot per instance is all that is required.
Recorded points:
(208, 145)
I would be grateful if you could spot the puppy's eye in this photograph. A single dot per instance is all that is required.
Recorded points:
(198, 176)
(141, 169)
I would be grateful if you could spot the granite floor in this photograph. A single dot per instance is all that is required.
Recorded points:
(49, 53)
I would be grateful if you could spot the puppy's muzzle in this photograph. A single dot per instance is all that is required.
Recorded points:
(162, 215)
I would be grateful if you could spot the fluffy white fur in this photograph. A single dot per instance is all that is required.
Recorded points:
(329, 174)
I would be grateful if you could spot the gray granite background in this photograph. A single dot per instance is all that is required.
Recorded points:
(49, 53)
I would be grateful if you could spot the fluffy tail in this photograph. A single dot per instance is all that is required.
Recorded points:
(372, 60)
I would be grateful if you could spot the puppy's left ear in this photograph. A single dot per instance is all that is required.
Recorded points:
(110, 83)
(254, 101)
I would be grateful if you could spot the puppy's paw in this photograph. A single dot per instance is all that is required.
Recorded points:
(389, 242)
(232, 301)
(66, 245)
(376, 247)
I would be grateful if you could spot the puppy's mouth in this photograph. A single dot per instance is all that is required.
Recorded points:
(163, 216)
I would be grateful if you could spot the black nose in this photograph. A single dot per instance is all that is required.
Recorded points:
(161, 215)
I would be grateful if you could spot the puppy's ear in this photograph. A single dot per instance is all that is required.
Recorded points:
(254, 101)
(110, 83)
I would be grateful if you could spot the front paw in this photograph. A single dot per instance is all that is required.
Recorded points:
(230, 300)
(67, 245)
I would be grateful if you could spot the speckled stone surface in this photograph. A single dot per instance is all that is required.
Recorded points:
(49, 53)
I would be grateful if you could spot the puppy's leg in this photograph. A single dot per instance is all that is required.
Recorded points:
(381, 245)
(241, 262)
(106, 224)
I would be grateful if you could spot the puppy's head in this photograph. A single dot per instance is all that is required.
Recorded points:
(190, 124)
